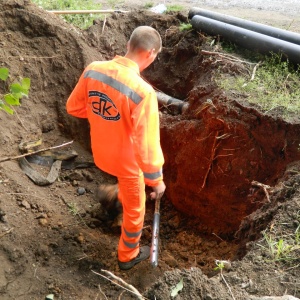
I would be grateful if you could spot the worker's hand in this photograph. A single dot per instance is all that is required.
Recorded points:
(158, 190)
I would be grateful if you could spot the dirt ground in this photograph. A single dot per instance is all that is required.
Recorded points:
(56, 238)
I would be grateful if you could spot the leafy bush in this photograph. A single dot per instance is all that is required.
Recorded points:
(16, 91)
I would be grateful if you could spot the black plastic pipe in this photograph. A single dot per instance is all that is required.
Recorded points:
(278, 33)
(246, 38)
(173, 105)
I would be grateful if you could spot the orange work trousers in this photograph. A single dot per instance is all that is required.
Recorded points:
(132, 196)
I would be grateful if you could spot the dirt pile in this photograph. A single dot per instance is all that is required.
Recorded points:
(52, 237)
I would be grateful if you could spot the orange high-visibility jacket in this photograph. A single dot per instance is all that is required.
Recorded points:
(122, 110)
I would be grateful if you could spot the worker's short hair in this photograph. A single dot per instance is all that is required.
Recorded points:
(145, 38)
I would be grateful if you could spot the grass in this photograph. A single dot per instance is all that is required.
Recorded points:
(275, 84)
(148, 5)
(282, 248)
(174, 7)
(113, 3)
(185, 26)
(82, 21)
(73, 208)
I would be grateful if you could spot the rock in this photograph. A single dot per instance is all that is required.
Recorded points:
(81, 191)
(76, 175)
(3, 216)
(25, 204)
(42, 216)
(43, 222)
(88, 176)
(80, 238)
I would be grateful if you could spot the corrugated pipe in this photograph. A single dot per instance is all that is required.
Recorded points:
(277, 33)
(173, 105)
(247, 38)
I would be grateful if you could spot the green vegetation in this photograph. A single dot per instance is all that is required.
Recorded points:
(113, 3)
(174, 7)
(282, 248)
(274, 84)
(148, 5)
(73, 208)
(15, 91)
(185, 26)
(220, 265)
(82, 21)
(177, 288)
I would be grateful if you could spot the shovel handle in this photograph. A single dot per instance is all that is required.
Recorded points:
(155, 234)
(155, 238)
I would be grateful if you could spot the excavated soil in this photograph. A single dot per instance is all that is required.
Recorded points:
(57, 239)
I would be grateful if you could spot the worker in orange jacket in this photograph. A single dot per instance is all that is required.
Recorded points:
(122, 110)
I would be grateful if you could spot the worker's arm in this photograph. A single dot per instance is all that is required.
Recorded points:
(77, 101)
(146, 140)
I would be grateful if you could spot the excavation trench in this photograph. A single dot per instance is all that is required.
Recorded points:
(215, 144)
(217, 149)
(221, 159)
(220, 152)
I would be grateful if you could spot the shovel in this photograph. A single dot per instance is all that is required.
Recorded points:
(155, 234)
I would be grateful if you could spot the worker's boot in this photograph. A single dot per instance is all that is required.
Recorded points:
(143, 254)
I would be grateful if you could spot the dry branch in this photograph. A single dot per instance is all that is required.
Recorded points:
(120, 297)
(124, 285)
(226, 56)
(229, 288)
(226, 265)
(34, 152)
(5, 233)
(104, 22)
(264, 187)
(101, 292)
(213, 151)
(254, 71)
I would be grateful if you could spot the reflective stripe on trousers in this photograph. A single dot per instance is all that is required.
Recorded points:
(132, 195)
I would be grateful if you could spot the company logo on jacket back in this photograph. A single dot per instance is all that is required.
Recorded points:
(104, 107)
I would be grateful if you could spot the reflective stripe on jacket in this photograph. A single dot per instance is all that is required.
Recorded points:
(123, 113)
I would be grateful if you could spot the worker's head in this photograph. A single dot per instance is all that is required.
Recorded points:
(143, 46)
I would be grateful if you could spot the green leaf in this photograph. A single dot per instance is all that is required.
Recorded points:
(22, 89)
(6, 108)
(16, 88)
(25, 85)
(177, 288)
(4, 73)
(11, 99)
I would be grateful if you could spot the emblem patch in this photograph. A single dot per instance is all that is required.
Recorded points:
(104, 106)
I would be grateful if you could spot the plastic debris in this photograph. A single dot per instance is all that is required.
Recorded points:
(159, 9)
